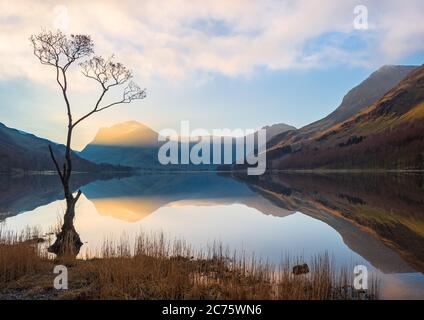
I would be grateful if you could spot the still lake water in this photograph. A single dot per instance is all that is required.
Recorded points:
(374, 220)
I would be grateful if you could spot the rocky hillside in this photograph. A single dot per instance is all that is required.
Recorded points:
(387, 134)
(21, 151)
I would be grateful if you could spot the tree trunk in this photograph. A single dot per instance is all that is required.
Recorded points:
(68, 242)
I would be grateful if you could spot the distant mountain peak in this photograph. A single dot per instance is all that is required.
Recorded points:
(128, 133)
(277, 129)
(394, 67)
(125, 127)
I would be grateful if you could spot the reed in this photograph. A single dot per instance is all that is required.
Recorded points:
(20, 254)
(151, 267)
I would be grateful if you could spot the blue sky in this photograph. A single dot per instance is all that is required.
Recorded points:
(237, 64)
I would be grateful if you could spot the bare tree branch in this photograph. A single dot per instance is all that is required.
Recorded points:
(60, 51)
(55, 163)
(106, 71)
(56, 49)
(109, 74)
(78, 195)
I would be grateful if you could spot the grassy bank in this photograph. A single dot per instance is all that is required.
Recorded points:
(153, 268)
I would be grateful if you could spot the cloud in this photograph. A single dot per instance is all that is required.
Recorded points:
(175, 40)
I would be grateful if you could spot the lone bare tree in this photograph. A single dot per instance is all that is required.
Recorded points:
(60, 51)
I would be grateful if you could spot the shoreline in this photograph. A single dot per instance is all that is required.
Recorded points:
(273, 171)
(161, 269)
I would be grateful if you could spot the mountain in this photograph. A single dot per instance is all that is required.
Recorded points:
(129, 143)
(21, 151)
(276, 129)
(387, 134)
(134, 144)
(360, 97)
(129, 134)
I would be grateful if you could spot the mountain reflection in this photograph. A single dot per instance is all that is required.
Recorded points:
(136, 197)
(369, 211)
(21, 193)
(379, 216)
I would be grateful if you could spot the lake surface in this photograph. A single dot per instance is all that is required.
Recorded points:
(374, 220)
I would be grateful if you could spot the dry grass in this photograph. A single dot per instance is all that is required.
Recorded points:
(19, 255)
(153, 268)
